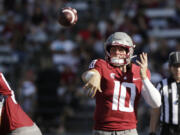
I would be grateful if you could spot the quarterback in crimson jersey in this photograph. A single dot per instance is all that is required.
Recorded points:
(117, 85)
(120, 94)
(11, 114)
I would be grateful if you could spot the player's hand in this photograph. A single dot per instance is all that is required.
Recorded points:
(93, 85)
(143, 63)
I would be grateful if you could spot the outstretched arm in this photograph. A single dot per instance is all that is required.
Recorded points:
(149, 92)
(92, 80)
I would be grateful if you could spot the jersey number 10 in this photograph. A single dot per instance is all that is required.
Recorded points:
(120, 98)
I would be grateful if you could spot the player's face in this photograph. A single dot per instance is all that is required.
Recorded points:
(175, 69)
(118, 51)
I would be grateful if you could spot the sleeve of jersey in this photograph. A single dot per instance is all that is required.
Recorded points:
(96, 64)
(150, 93)
(4, 86)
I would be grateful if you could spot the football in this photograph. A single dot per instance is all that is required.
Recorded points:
(67, 17)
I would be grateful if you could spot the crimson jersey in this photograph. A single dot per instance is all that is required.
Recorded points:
(116, 106)
(12, 115)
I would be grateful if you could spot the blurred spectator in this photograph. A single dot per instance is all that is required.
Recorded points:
(9, 4)
(47, 82)
(38, 16)
(62, 51)
(28, 93)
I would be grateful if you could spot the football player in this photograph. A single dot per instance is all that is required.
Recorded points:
(13, 120)
(117, 85)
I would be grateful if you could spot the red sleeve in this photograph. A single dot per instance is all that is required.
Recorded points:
(96, 64)
(4, 86)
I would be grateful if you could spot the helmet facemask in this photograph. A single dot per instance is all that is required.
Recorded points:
(123, 40)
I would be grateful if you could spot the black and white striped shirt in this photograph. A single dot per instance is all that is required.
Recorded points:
(170, 108)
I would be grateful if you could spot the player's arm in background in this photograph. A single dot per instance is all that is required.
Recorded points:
(92, 80)
(154, 120)
(4, 91)
(149, 92)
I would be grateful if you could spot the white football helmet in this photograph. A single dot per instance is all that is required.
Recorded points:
(119, 39)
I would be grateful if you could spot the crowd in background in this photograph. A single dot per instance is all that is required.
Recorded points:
(43, 61)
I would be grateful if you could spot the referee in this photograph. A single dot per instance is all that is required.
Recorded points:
(169, 112)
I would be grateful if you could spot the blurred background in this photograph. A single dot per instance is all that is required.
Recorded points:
(43, 61)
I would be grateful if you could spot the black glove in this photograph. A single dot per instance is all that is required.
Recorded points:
(152, 133)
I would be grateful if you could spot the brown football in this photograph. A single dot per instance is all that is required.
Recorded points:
(68, 16)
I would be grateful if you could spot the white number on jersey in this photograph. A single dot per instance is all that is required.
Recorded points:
(119, 98)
